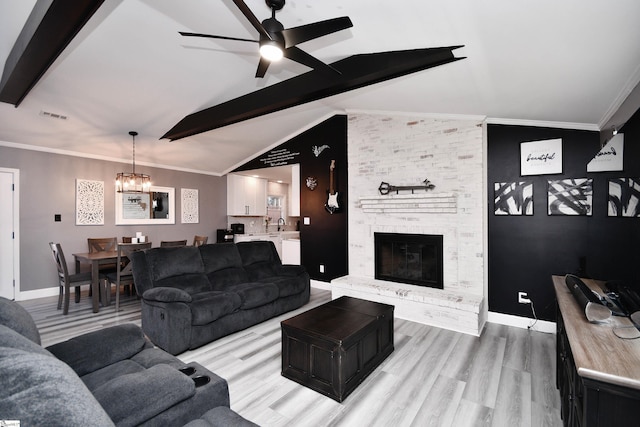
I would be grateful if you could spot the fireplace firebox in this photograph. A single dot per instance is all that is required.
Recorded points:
(409, 258)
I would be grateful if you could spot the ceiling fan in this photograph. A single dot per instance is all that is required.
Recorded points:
(275, 41)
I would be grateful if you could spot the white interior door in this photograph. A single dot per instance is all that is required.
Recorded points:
(8, 247)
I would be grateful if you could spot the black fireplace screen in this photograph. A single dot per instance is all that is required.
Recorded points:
(409, 258)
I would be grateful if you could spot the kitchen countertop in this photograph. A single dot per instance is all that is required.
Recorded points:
(283, 234)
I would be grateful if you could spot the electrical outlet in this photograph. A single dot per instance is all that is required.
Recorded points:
(523, 298)
(321, 268)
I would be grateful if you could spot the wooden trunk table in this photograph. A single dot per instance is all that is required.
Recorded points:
(334, 347)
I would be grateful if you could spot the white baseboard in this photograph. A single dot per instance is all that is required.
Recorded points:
(320, 285)
(522, 322)
(38, 293)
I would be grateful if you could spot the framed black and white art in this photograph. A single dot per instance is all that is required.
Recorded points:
(571, 197)
(624, 197)
(513, 198)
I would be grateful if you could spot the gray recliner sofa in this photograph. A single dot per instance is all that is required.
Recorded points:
(108, 377)
(194, 295)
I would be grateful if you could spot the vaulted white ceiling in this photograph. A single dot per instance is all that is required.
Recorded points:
(570, 61)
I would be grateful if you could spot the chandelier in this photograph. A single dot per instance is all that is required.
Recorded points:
(132, 182)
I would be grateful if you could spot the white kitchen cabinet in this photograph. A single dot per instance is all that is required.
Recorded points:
(246, 196)
(291, 251)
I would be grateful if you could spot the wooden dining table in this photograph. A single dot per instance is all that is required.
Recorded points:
(96, 259)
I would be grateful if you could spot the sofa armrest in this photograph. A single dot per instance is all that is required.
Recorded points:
(135, 398)
(291, 270)
(94, 350)
(165, 294)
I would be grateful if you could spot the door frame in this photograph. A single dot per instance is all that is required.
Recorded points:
(16, 229)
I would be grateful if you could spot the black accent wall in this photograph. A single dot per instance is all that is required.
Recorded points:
(324, 240)
(524, 251)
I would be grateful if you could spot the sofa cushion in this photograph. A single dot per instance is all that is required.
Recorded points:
(164, 294)
(173, 261)
(16, 317)
(38, 389)
(220, 256)
(255, 294)
(132, 399)
(13, 339)
(97, 378)
(287, 285)
(94, 350)
(221, 279)
(191, 283)
(259, 259)
(155, 356)
(209, 306)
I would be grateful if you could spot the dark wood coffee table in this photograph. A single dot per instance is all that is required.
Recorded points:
(332, 348)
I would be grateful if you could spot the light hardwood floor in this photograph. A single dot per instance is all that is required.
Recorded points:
(435, 377)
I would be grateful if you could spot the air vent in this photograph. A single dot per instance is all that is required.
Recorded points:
(53, 115)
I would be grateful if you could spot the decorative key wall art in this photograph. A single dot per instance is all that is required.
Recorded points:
(513, 198)
(570, 197)
(624, 197)
(89, 202)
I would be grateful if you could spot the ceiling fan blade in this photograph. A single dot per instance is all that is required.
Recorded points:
(262, 67)
(210, 36)
(252, 18)
(303, 33)
(302, 57)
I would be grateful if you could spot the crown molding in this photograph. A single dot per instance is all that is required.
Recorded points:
(543, 123)
(99, 157)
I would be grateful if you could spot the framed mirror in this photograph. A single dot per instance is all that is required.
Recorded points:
(155, 207)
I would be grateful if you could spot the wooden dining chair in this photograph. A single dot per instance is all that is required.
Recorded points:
(200, 240)
(65, 280)
(103, 244)
(169, 243)
(123, 274)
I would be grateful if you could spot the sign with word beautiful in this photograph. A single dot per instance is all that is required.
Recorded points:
(610, 157)
(541, 157)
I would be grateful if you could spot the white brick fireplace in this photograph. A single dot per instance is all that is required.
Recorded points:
(405, 151)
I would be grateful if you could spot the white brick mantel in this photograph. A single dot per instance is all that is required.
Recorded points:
(399, 150)
(459, 311)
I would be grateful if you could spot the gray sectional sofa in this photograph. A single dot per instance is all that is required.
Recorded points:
(194, 295)
(112, 376)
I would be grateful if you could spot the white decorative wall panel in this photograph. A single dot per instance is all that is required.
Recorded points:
(89, 202)
(190, 206)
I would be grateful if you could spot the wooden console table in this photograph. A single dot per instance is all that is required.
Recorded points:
(597, 373)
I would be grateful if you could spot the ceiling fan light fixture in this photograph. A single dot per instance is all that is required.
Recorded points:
(271, 50)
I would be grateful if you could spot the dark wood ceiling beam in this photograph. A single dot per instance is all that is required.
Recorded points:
(50, 27)
(357, 71)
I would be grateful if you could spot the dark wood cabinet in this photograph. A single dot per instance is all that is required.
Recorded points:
(332, 348)
(597, 373)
